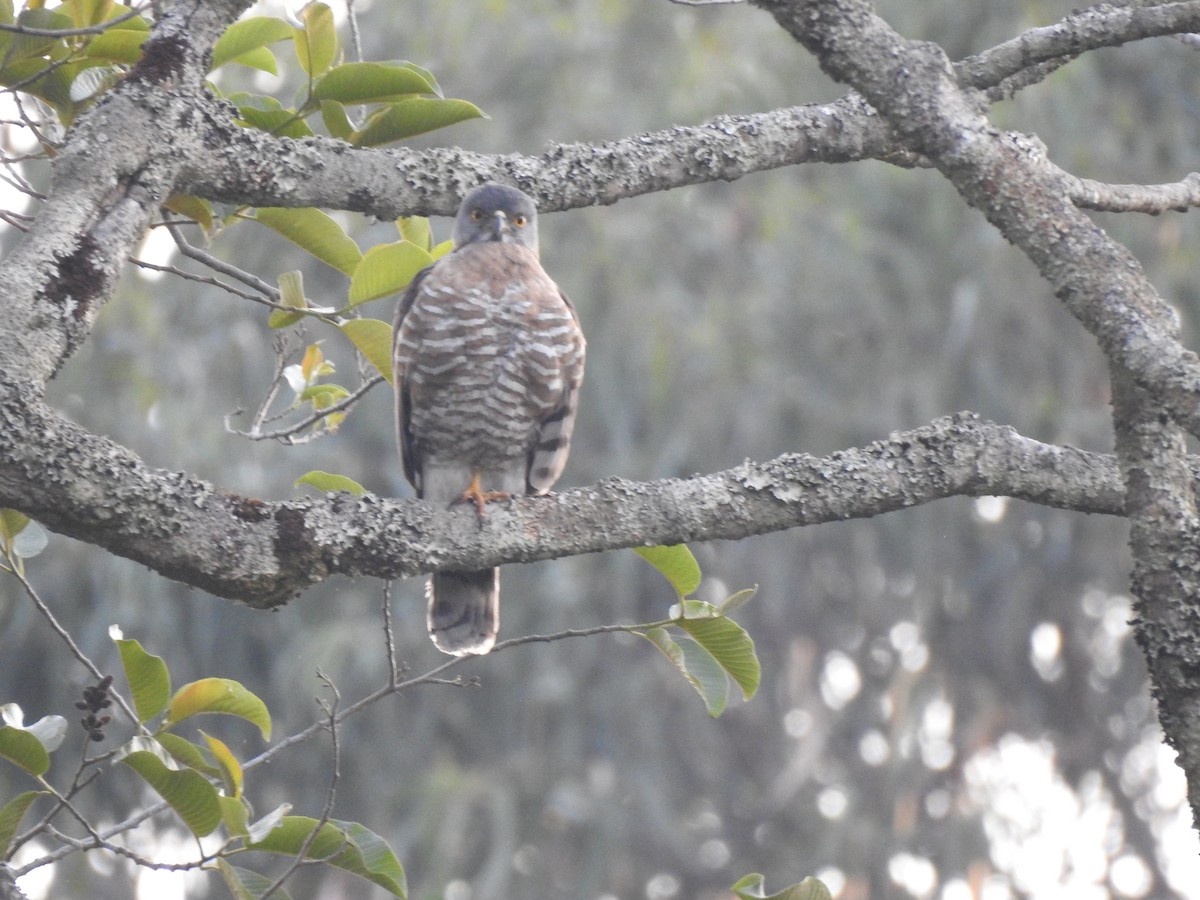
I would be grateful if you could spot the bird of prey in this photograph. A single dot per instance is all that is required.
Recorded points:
(488, 359)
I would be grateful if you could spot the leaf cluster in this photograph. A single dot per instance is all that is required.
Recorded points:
(202, 781)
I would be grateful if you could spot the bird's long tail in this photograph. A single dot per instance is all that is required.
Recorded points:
(464, 611)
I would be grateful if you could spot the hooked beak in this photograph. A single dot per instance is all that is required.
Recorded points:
(501, 230)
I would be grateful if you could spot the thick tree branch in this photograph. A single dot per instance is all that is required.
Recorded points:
(117, 167)
(263, 553)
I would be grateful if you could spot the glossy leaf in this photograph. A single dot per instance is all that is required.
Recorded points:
(373, 338)
(315, 232)
(676, 564)
(730, 646)
(316, 42)
(413, 116)
(752, 887)
(354, 849)
(387, 269)
(148, 679)
(188, 793)
(248, 35)
(369, 82)
(327, 481)
(218, 695)
(11, 814)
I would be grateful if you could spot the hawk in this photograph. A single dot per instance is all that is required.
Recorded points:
(488, 359)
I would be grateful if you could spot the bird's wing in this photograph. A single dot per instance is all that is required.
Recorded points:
(548, 455)
(404, 435)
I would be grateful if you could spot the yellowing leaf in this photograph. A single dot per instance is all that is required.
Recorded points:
(218, 695)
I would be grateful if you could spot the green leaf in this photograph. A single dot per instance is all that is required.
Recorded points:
(244, 884)
(21, 748)
(386, 269)
(268, 823)
(26, 45)
(117, 45)
(148, 679)
(235, 816)
(416, 230)
(291, 294)
(373, 338)
(12, 523)
(316, 42)
(317, 233)
(242, 37)
(282, 122)
(730, 647)
(696, 665)
(11, 815)
(263, 59)
(326, 481)
(369, 82)
(736, 601)
(416, 115)
(676, 564)
(198, 210)
(337, 122)
(218, 695)
(362, 852)
(752, 887)
(189, 793)
(187, 754)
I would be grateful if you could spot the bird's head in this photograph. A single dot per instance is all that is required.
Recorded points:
(497, 212)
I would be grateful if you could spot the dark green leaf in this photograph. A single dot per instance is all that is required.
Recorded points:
(415, 115)
(189, 793)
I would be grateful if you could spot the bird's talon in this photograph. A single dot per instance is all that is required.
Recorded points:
(477, 495)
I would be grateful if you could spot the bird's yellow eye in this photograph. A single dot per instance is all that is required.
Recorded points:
(519, 220)
(476, 215)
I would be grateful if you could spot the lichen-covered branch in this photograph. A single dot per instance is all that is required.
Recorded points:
(263, 552)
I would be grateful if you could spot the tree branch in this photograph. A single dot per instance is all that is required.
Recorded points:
(262, 553)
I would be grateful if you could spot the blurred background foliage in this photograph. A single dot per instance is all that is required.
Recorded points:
(951, 696)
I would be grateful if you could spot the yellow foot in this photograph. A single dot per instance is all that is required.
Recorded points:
(477, 495)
